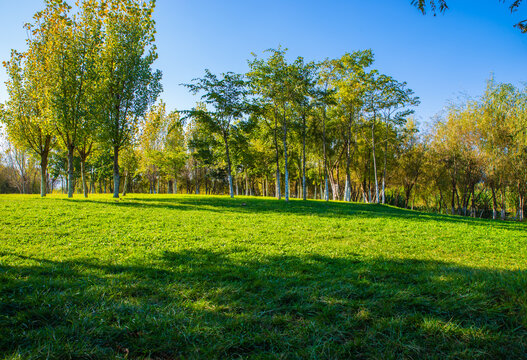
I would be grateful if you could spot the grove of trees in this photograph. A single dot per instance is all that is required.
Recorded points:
(83, 115)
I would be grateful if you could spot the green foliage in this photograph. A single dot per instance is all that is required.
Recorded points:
(87, 78)
(129, 84)
(442, 6)
(227, 98)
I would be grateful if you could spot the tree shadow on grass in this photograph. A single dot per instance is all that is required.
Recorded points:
(232, 304)
(223, 204)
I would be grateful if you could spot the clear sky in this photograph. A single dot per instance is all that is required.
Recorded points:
(440, 57)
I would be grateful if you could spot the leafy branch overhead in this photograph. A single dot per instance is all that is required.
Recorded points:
(436, 6)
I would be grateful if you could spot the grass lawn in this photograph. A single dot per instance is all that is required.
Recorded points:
(161, 276)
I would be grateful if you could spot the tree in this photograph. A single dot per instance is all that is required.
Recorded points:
(26, 114)
(151, 140)
(203, 151)
(226, 97)
(20, 162)
(70, 50)
(519, 150)
(324, 98)
(84, 148)
(304, 79)
(130, 85)
(396, 100)
(496, 134)
(174, 154)
(271, 81)
(373, 104)
(410, 159)
(347, 76)
(264, 136)
(130, 165)
(455, 145)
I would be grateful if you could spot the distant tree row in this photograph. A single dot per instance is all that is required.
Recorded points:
(82, 108)
(478, 153)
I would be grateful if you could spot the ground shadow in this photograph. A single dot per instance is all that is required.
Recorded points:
(224, 204)
(233, 304)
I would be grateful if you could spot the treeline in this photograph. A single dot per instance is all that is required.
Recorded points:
(83, 103)
(477, 155)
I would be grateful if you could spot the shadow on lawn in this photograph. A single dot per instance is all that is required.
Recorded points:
(207, 304)
(223, 204)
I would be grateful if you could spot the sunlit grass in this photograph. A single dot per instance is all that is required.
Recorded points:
(164, 276)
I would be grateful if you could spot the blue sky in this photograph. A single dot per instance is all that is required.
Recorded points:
(440, 57)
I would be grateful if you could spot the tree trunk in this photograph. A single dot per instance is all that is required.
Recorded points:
(408, 193)
(458, 203)
(43, 172)
(374, 160)
(326, 187)
(473, 210)
(521, 205)
(196, 180)
(385, 165)
(278, 187)
(453, 198)
(439, 207)
(503, 204)
(70, 171)
(333, 185)
(229, 172)
(246, 183)
(494, 203)
(126, 183)
(338, 184)
(83, 177)
(304, 195)
(116, 178)
(174, 185)
(286, 172)
(347, 196)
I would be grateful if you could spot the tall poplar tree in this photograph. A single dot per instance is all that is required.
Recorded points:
(270, 80)
(130, 85)
(26, 114)
(71, 45)
(304, 79)
(348, 78)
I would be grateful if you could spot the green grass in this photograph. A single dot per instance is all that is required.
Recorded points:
(209, 277)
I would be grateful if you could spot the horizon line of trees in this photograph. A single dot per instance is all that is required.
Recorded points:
(83, 116)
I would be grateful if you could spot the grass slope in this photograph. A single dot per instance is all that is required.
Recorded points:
(209, 277)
